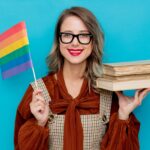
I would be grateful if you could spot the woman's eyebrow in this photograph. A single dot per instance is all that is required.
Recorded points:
(81, 31)
(67, 31)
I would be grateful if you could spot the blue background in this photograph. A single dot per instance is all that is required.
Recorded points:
(126, 26)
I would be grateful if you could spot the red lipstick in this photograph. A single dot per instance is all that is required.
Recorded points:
(75, 52)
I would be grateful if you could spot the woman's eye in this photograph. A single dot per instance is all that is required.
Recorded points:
(84, 35)
(66, 35)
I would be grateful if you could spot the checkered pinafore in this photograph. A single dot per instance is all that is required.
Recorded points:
(94, 125)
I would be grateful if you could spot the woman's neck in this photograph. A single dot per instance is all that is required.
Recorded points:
(74, 71)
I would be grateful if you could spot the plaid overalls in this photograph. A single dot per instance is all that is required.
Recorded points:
(94, 125)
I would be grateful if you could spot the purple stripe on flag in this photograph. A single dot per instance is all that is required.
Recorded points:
(17, 69)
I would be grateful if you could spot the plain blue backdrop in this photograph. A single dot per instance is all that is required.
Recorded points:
(126, 26)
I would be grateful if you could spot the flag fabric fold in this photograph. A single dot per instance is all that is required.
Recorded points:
(14, 51)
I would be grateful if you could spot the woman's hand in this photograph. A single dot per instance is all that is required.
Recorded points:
(128, 104)
(39, 107)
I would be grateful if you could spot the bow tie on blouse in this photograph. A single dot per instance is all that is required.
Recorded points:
(73, 131)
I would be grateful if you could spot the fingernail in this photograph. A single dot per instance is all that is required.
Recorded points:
(40, 90)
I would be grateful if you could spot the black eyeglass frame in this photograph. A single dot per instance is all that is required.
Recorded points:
(75, 35)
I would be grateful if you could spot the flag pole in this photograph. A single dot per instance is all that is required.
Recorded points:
(34, 76)
(33, 71)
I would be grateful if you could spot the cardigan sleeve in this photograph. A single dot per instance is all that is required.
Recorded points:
(29, 135)
(121, 134)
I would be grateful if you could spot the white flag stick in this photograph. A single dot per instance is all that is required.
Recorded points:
(33, 71)
(34, 76)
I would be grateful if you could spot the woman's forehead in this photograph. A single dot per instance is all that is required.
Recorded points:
(73, 23)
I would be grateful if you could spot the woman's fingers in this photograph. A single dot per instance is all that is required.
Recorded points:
(40, 108)
(39, 97)
(36, 92)
(136, 97)
(140, 94)
(143, 94)
(37, 107)
(38, 102)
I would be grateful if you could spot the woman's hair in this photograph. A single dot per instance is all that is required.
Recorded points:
(55, 60)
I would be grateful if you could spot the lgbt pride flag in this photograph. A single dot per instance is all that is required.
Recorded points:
(14, 51)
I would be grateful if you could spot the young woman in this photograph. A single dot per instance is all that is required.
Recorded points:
(68, 111)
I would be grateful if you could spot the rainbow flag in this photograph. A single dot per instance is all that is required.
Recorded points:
(14, 51)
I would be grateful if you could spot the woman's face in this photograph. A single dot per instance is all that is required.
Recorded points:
(74, 51)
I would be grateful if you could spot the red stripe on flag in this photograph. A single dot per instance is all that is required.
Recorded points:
(18, 27)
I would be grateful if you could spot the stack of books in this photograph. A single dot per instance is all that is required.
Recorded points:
(125, 76)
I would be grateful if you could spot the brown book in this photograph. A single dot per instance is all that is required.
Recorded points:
(125, 76)
(125, 83)
(127, 68)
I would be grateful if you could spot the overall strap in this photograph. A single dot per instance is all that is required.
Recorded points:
(105, 105)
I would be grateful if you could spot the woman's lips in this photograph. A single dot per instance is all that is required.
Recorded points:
(75, 52)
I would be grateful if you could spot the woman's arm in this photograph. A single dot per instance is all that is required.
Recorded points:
(28, 134)
(121, 134)
(123, 128)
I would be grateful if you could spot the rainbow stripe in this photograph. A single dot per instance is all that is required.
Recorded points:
(14, 51)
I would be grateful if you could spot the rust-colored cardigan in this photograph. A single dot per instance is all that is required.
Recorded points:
(120, 134)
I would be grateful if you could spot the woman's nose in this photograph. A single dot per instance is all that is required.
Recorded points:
(75, 41)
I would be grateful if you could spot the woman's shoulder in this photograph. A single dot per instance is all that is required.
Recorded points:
(49, 78)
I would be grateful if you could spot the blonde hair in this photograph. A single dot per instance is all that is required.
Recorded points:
(93, 70)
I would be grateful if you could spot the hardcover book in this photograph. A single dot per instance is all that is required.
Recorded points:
(125, 76)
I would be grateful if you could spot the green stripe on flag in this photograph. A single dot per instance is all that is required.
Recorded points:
(17, 53)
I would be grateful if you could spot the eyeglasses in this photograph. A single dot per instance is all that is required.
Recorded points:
(83, 38)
